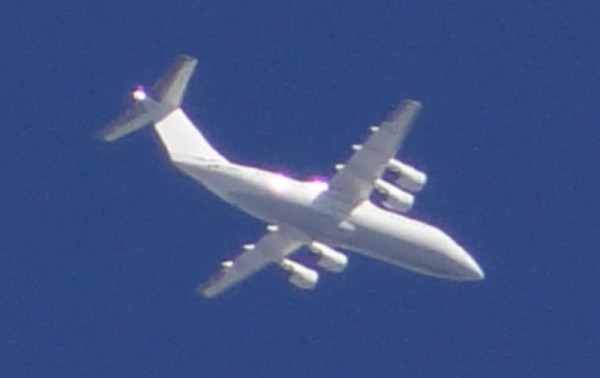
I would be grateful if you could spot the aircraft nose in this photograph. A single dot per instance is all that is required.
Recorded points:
(445, 257)
(474, 271)
(469, 269)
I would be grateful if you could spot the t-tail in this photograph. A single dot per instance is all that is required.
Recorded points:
(162, 107)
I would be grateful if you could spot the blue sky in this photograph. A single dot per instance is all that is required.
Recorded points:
(101, 246)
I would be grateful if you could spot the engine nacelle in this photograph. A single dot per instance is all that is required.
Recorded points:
(329, 258)
(396, 199)
(409, 178)
(301, 276)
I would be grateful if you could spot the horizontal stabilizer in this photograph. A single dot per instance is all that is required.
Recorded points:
(154, 106)
(131, 120)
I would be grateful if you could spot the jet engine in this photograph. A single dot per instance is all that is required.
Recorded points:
(396, 199)
(329, 258)
(301, 276)
(409, 178)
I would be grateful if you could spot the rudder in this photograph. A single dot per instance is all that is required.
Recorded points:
(162, 106)
(170, 89)
(183, 141)
(147, 108)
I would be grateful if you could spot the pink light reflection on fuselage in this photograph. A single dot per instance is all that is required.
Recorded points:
(279, 182)
(318, 184)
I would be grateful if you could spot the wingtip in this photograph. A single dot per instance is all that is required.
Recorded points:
(184, 58)
(412, 103)
(407, 106)
(104, 135)
(203, 291)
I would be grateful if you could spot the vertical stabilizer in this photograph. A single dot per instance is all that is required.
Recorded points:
(183, 141)
(181, 138)
(170, 89)
(148, 108)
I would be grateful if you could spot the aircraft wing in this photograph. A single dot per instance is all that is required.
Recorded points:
(272, 247)
(353, 183)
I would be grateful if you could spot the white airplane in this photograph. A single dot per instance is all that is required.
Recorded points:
(322, 216)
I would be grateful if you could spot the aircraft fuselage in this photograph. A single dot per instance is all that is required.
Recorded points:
(368, 229)
(315, 214)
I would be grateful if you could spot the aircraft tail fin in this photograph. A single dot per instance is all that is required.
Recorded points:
(162, 107)
(169, 89)
(165, 97)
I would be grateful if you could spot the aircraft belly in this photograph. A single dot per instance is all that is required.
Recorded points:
(390, 249)
(404, 242)
(281, 211)
(292, 207)
(369, 230)
(316, 213)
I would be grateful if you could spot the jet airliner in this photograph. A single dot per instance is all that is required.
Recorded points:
(323, 216)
